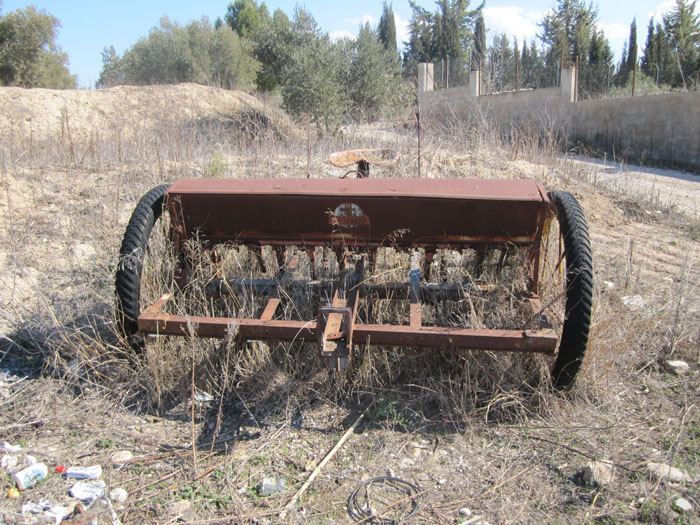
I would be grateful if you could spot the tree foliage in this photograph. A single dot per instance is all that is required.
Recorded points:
(682, 30)
(246, 17)
(479, 49)
(374, 75)
(271, 49)
(29, 56)
(172, 53)
(313, 73)
(672, 48)
(387, 28)
(444, 35)
(567, 31)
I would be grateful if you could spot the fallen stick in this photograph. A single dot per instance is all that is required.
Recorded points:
(325, 460)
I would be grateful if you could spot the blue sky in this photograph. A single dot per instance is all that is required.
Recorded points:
(88, 26)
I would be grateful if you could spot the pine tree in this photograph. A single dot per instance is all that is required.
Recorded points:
(537, 67)
(419, 47)
(566, 32)
(444, 35)
(501, 65)
(593, 79)
(682, 32)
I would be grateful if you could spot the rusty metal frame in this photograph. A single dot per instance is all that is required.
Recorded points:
(154, 321)
(351, 217)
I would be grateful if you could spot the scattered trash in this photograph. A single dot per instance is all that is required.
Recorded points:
(118, 495)
(92, 472)
(203, 397)
(634, 302)
(29, 476)
(60, 469)
(676, 367)
(272, 485)
(88, 491)
(29, 460)
(465, 512)
(13, 493)
(32, 508)
(121, 456)
(12, 449)
(609, 285)
(57, 512)
(682, 505)
(9, 463)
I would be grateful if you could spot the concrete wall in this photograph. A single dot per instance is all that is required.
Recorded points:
(662, 128)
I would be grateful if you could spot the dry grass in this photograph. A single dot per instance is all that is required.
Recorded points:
(476, 430)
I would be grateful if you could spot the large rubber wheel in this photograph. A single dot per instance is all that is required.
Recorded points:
(577, 286)
(131, 260)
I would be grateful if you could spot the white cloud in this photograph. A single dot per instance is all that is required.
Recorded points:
(616, 31)
(401, 30)
(660, 9)
(513, 21)
(364, 19)
(342, 34)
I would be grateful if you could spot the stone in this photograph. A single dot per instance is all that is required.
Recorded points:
(634, 302)
(465, 512)
(676, 367)
(122, 456)
(682, 505)
(598, 473)
(118, 495)
(183, 510)
(663, 472)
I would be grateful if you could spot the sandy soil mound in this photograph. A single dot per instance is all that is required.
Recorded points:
(45, 113)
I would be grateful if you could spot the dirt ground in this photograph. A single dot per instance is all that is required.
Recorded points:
(475, 437)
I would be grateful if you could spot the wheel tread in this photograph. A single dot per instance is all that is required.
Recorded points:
(131, 254)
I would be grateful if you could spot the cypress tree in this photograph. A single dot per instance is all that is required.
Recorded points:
(387, 28)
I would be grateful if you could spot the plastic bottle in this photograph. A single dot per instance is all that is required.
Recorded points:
(30, 476)
(93, 472)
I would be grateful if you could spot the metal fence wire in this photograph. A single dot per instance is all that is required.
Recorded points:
(593, 81)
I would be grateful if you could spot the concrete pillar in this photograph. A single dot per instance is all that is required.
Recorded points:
(568, 85)
(425, 77)
(474, 83)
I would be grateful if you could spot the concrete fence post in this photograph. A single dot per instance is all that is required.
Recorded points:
(568, 85)
(474, 83)
(425, 77)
